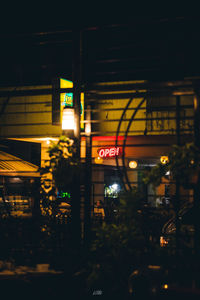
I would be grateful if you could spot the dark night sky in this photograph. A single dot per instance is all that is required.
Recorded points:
(27, 57)
(153, 48)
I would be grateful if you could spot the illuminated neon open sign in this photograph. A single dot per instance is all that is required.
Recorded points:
(109, 152)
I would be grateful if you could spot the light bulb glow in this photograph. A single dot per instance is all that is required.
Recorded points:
(115, 186)
(133, 164)
(164, 159)
(68, 119)
(98, 160)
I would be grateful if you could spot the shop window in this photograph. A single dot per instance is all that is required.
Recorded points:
(112, 191)
(17, 195)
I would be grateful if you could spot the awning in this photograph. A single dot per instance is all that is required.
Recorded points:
(11, 165)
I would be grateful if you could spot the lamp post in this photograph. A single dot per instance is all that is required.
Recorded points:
(197, 186)
(69, 124)
(71, 127)
(76, 194)
(88, 171)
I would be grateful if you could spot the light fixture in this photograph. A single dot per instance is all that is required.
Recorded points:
(68, 119)
(163, 241)
(88, 129)
(98, 160)
(164, 159)
(132, 164)
(165, 286)
(115, 187)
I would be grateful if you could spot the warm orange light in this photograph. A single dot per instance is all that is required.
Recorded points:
(164, 159)
(163, 242)
(165, 286)
(98, 160)
(133, 164)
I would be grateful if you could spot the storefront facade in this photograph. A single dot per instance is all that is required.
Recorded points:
(129, 122)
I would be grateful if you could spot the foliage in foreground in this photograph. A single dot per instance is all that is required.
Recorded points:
(58, 174)
(62, 163)
(121, 247)
(118, 247)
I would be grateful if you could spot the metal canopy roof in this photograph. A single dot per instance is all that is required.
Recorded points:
(11, 165)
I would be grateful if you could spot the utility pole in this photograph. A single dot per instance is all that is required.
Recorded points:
(88, 171)
(177, 199)
(76, 195)
(197, 186)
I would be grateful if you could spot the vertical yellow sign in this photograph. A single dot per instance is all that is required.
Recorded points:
(82, 110)
(66, 100)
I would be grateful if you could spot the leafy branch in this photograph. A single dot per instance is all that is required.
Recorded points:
(63, 164)
(183, 163)
(58, 173)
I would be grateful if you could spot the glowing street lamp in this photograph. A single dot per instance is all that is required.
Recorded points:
(68, 121)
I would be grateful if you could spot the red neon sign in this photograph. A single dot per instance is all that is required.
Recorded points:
(109, 152)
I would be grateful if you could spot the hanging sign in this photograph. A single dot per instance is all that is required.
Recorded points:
(109, 152)
(66, 99)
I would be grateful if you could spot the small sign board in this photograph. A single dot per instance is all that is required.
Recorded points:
(109, 152)
(66, 99)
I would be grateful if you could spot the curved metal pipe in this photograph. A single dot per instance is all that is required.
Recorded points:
(124, 142)
(116, 142)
